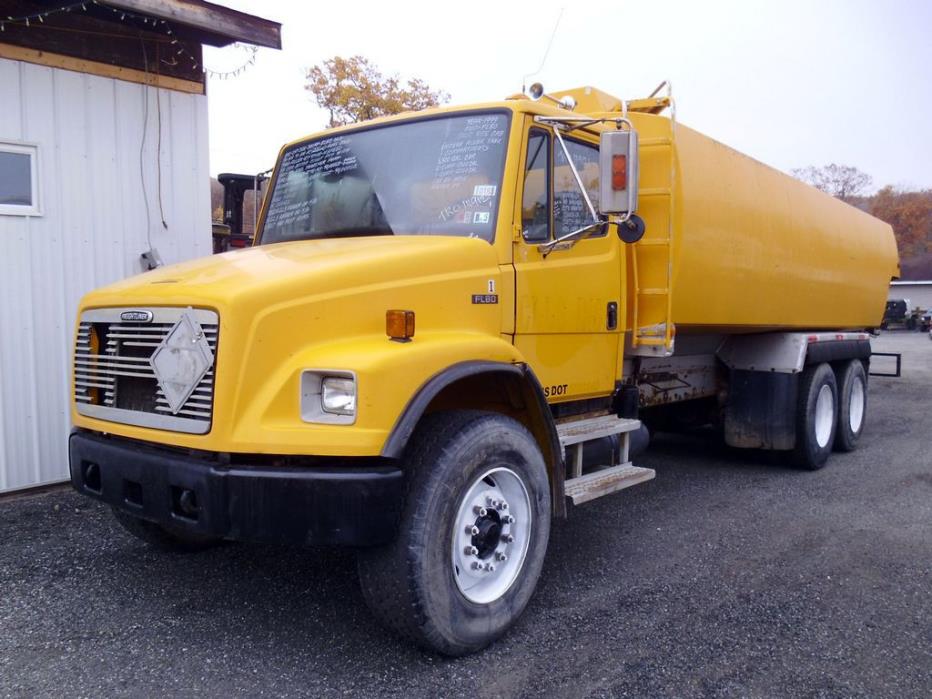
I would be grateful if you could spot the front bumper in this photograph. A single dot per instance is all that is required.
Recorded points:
(351, 506)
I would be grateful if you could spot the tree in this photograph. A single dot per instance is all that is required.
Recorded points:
(841, 181)
(352, 89)
(910, 214)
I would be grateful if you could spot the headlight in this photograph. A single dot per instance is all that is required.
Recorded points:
(338, 395)
(328, 396)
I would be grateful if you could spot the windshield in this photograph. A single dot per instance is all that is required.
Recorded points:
(439, 176)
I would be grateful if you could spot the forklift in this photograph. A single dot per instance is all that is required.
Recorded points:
(228, 234)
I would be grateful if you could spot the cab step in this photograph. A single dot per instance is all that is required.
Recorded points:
(580, 488)
(579, 431)
(609, 480)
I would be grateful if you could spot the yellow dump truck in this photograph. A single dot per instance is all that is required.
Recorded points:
(455, 325)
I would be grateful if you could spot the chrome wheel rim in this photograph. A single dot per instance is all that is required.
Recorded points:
(824, 415)
(491, 534)
(856, 405)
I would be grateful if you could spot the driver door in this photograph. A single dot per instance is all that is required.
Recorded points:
(568, 311)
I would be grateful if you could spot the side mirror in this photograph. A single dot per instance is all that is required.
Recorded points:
(618, 172)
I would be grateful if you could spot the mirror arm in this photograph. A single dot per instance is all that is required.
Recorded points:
(547, 248)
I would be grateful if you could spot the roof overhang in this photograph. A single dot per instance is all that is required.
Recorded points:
(214, 25)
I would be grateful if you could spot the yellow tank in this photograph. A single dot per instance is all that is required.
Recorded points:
(750, 248)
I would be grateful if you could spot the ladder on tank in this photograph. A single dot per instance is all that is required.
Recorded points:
(652, 330)
(652, 266)
(582, 487)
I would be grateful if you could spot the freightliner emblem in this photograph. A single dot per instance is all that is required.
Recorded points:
(136, 316)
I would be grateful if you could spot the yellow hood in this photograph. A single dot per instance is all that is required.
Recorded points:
(295, 269)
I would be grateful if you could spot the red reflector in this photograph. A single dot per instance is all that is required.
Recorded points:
(619, 172)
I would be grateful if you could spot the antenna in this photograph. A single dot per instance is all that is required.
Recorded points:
(546, 53)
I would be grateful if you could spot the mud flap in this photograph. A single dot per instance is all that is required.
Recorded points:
(761, 410)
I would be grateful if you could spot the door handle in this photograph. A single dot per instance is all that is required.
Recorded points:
(612, 315)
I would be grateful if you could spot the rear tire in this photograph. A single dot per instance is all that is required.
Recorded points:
(852, 409)
(163, 538)
(816, 416)
(432, 584)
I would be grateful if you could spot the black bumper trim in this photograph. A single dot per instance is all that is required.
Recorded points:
(337, 505)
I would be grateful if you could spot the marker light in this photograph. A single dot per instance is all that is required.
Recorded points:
(619, 172)
(399, 325)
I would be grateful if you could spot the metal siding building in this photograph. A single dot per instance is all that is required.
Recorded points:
(102, 138)
(101, 145)
(919, 293)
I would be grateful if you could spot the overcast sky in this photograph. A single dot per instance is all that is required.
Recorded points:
(789, 82)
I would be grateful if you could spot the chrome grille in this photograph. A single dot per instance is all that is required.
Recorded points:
(117, 383)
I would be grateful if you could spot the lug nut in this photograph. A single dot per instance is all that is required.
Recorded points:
(490, 567)
(471, 551)
(509, 519)
(503, 505)
(476, 565)
(501, 556)
(479, 510)
(509, 538)
(472, 529)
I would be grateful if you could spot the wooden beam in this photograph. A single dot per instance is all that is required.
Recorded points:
(228, 25)
(98, 35)
(105, 70)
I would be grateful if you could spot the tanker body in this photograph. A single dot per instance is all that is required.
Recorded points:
(756, 249)
(456, 324)
(735, 246)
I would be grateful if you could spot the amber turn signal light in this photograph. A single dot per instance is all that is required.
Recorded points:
(399, 325)
(619, 172)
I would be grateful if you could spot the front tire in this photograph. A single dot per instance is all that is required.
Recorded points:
(852, 409)
(816, 416)
(472, 538)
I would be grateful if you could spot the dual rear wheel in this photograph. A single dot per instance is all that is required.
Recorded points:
(830, 413)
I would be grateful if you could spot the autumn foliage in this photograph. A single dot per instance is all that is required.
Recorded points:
(352, 89)
(908, 212)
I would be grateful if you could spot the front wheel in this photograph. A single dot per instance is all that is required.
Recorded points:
(472, 538)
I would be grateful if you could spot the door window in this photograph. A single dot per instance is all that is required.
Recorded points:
(535, 205)
(570, 211)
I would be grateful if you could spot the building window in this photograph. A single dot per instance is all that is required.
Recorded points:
(19, 179)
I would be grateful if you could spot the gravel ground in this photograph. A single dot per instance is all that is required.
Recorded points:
(729, 575)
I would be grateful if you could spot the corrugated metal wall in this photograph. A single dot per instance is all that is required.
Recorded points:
(93, 227)
(919, 294)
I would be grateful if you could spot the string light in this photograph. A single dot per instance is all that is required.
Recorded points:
(42, 15)
(158, 24)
